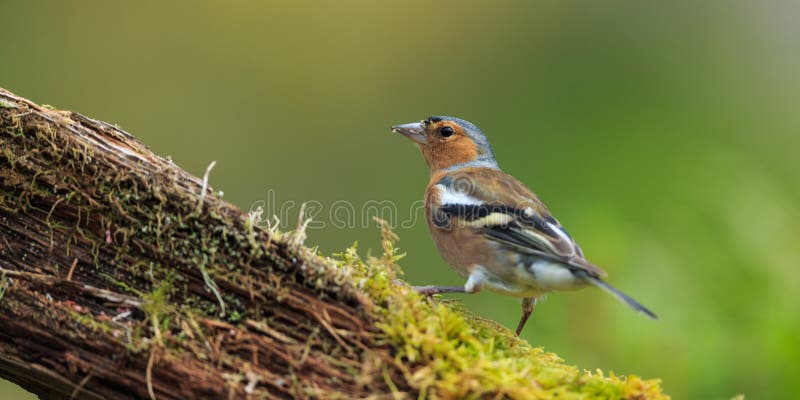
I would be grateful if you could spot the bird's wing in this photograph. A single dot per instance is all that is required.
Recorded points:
(505, 211)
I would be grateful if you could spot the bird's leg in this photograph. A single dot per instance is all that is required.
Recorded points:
(528, 304)
(429, 291)
(474, 284)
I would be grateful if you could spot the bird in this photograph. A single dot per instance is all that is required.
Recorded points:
(490, 228)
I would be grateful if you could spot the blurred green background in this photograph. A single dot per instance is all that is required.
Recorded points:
(664, 135)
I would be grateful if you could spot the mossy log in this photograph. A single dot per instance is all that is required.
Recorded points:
(124, 277)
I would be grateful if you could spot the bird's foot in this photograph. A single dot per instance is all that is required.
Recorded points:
(429, 291)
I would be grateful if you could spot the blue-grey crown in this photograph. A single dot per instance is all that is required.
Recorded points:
(474, 133)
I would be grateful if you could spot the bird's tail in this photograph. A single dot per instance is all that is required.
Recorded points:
(622, 296)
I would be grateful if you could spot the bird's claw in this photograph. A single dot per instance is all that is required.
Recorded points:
(427, 291)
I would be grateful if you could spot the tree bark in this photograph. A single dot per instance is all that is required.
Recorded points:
(122, 277)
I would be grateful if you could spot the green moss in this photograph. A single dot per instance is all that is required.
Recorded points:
(91, 322)
(450, 353)
(157, 308)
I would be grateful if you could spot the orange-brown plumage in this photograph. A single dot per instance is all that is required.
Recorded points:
(462, 248)
(457, 149)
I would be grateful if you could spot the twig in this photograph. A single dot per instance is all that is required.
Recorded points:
(80, 386)
(206, 277)
(214, 289)
(8, 245)
(3, 285)
(72, 269)
(204, 189)
(149, 373)
(53, 281)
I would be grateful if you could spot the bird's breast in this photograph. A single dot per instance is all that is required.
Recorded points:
(461, 247)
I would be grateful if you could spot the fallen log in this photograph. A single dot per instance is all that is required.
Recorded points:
(124, 277)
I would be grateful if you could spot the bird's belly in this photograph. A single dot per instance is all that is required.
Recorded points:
(526, 279)
(554, 276)
(493, 267)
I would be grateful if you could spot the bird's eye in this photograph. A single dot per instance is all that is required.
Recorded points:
(446, 131)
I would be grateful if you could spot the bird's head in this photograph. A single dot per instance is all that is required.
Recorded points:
(449, 142)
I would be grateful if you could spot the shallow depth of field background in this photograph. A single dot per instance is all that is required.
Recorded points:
(663, 135)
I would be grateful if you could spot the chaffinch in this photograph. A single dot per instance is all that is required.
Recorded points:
(492, 229)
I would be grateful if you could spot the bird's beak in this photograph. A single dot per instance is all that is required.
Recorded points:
(413, 131)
